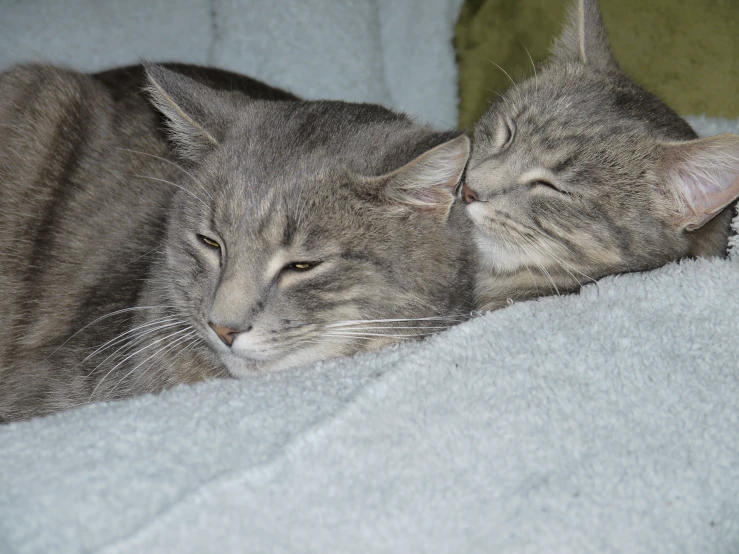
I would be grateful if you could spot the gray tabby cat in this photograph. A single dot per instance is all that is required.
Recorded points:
(283, 233)
(577, 172)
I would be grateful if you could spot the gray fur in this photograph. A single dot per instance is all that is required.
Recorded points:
(108, 286)
(633, 187)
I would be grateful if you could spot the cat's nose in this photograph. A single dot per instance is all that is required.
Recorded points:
(468, 194)
(226, 334)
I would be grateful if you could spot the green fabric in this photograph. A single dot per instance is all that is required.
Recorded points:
(684, 51)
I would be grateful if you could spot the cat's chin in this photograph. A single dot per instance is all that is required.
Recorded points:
(243, 367)
(497, 255)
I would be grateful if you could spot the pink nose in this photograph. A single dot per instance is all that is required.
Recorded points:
(226, 334)
(468, 194)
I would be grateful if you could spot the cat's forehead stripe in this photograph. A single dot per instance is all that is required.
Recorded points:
(266, 217)
(275, 264)
(563, 165)
(289, 229)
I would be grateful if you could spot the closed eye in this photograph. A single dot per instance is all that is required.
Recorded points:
(509, 135)
(505, 134)
(547, 184)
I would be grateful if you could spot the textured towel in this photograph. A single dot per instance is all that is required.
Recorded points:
(604, 422)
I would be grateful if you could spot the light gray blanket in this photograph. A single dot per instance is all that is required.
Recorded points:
(605, 422)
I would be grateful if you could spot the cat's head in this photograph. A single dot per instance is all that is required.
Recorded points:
(309, 230)
(577, 172)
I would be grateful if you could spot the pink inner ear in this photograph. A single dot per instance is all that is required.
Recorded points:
(432, 196)
(427, 183)
(704, 177)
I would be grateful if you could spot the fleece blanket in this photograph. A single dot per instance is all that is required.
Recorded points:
(605, 421)
(393, 53)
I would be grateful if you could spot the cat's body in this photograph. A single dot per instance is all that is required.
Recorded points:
(577, 172)
(111, 283)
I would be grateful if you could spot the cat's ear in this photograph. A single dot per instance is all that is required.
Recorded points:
(196, 114)
(427, 183)
(700, 177)
(584, 38)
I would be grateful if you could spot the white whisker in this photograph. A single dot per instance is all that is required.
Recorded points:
(111, 314)
(163, 349)
(392, 327)
(541, 267)
(131, 356)
(195, 196)
(122, 336)
(563, 263)
(395, 320)
(548, 254)
(359, 334)
(178, 166)
(503, 70)
(495, 92)
(127, 347)
(536, 76)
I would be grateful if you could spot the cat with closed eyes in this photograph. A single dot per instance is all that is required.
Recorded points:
(577, 172)
(258, 233)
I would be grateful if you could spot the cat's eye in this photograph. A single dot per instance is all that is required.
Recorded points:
(504, 136)
(508, 135)
(209, 242)
(546, 184)
(300, 266)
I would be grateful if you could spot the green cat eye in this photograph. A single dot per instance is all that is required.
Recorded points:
(210, 242)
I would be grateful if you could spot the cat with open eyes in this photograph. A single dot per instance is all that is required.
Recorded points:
(577, 172)
(283, 232)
